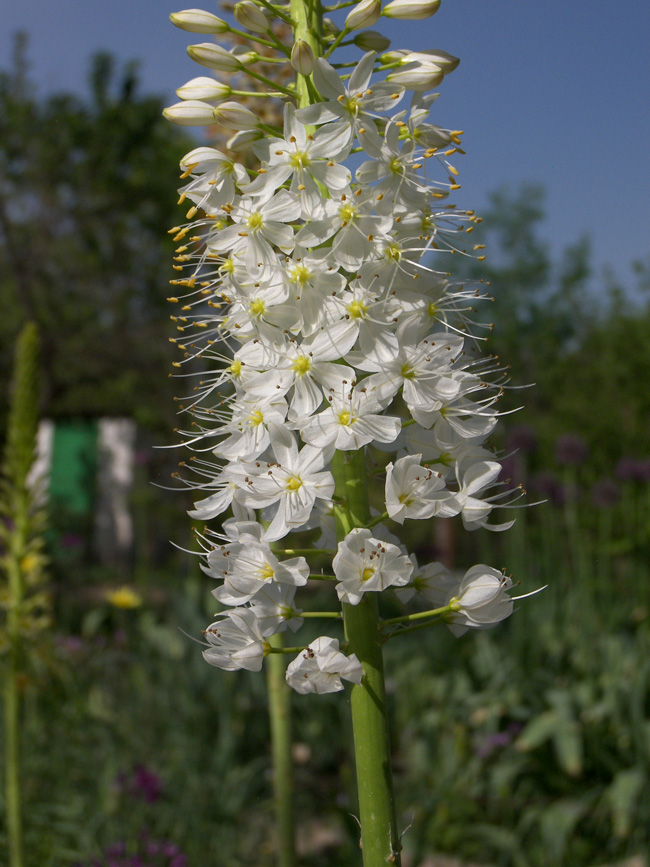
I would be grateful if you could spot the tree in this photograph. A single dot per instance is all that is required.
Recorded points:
(84, 209)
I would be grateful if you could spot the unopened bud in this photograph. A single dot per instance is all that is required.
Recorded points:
(417, 76)
(204, 88)
(429, 57)
(191, 112)
(214, 56)
(411, 10)
(371, 40)
(249, 15)
(364, 14)
(330, 28)
(242, 141)
(302, 57)
(232, 115)
(198, 21)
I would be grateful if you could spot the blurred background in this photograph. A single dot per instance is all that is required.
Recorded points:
(523, 747)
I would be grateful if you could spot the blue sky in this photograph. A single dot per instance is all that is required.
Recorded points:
(555, 92)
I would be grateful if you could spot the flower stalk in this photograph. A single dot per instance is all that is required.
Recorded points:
(281, 744)
(21, 564)
(297, 271)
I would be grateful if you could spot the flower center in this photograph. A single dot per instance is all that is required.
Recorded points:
(395, 166)
(256, 418)
(347, 213)
(235, 369)
(299, 160)
(432, 310)
(255, 221)
(301, 365)
(265, 572)
(367, 573)
(258, 307)
(407, 371)
(357, 310)
(294, 483)
(344, 417)
(300, 274)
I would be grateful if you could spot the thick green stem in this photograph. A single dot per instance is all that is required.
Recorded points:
(379, 836)
(280, 716)
(307, 17)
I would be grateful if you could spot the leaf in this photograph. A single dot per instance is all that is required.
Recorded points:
(567, 741)
(557, 823)
(537, 731)
(622, 796)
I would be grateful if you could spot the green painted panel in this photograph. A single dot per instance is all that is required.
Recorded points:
(74, 467)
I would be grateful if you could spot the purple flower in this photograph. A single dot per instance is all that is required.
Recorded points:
(633, 470)
(522, 438)
(570, 450)
(605, 493)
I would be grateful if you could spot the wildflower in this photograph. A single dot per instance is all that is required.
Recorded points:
(321, 667)
(365, 564)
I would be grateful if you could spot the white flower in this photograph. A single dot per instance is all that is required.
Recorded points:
(252, 567)
(480, 601)
(257, 224)
(295, 481)
(307, 160)
(351, 421)
(473, 480)
(414, 491)
(321, 666)
(236, 641)
(364, 564)
(356, 103)
(273, 607)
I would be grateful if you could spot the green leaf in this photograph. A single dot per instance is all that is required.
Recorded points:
(622, 796)
(538, 730)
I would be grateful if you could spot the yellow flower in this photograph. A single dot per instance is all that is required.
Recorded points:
(124, 597)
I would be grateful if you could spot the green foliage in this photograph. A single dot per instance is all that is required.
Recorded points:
(85, 205)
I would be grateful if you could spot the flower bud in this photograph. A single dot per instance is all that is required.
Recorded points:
(231, 115)
(302, 57)
(204, 88)
(198, 21)
(242, 141)
(444, 61)
(330, 28)
(249, 15)
(214, 56)
(191, 112)
(371, 40)
(364, 14)
(417, 76)
(411, 10)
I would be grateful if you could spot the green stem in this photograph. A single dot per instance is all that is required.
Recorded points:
(379, 836)
(416, 628)
(336, 614)
(280, 716)
(12, 760)
(378, 520)
(420, 615)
